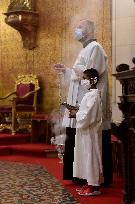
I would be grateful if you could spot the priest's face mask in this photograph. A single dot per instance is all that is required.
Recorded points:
(80, 32)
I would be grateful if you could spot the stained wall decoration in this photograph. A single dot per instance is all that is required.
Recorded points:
(55, 44)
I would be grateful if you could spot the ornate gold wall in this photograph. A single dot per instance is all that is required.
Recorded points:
(55, 43)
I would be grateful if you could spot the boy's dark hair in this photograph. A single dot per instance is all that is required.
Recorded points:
(92, 73)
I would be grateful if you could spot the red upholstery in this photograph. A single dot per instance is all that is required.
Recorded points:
(5, 109)
(24, 108)
(40, 117)
(23, 89)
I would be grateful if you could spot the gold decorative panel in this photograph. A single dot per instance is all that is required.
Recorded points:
(55, 43)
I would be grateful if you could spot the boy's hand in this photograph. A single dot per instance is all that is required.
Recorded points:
(70, 107)
(72, 113)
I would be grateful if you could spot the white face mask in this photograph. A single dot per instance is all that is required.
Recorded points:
(86, 83)
(78, 34)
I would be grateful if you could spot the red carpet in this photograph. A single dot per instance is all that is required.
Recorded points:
(21, 144)
(35, 153)
(112, 195)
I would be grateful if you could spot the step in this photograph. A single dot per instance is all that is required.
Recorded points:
(9, 139)
(5, 150)
(41, 150)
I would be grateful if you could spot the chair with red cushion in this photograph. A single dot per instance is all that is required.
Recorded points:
(23, 99)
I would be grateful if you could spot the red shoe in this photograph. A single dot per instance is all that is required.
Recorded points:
(82, 188)
(89, 191)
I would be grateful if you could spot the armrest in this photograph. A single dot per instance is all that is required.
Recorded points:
(8, 95)
(26, 95)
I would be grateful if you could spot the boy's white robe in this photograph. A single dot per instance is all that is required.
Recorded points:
(88, 140)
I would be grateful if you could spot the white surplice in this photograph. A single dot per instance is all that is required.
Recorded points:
(88, 140)
(92, 56)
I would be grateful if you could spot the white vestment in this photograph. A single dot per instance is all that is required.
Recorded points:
(92, 56)
(88, 140)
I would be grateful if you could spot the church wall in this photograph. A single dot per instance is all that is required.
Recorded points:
(123, 43)
(55, 43)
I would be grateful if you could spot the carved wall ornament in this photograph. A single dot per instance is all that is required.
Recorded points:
(126, 132)
(122, 67)
(133, 60)
(21, 15)
(131, 86)
(21, 5)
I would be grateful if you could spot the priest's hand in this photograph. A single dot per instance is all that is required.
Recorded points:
(60, 67)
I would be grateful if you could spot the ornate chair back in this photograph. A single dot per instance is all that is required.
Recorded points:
(26, 85)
